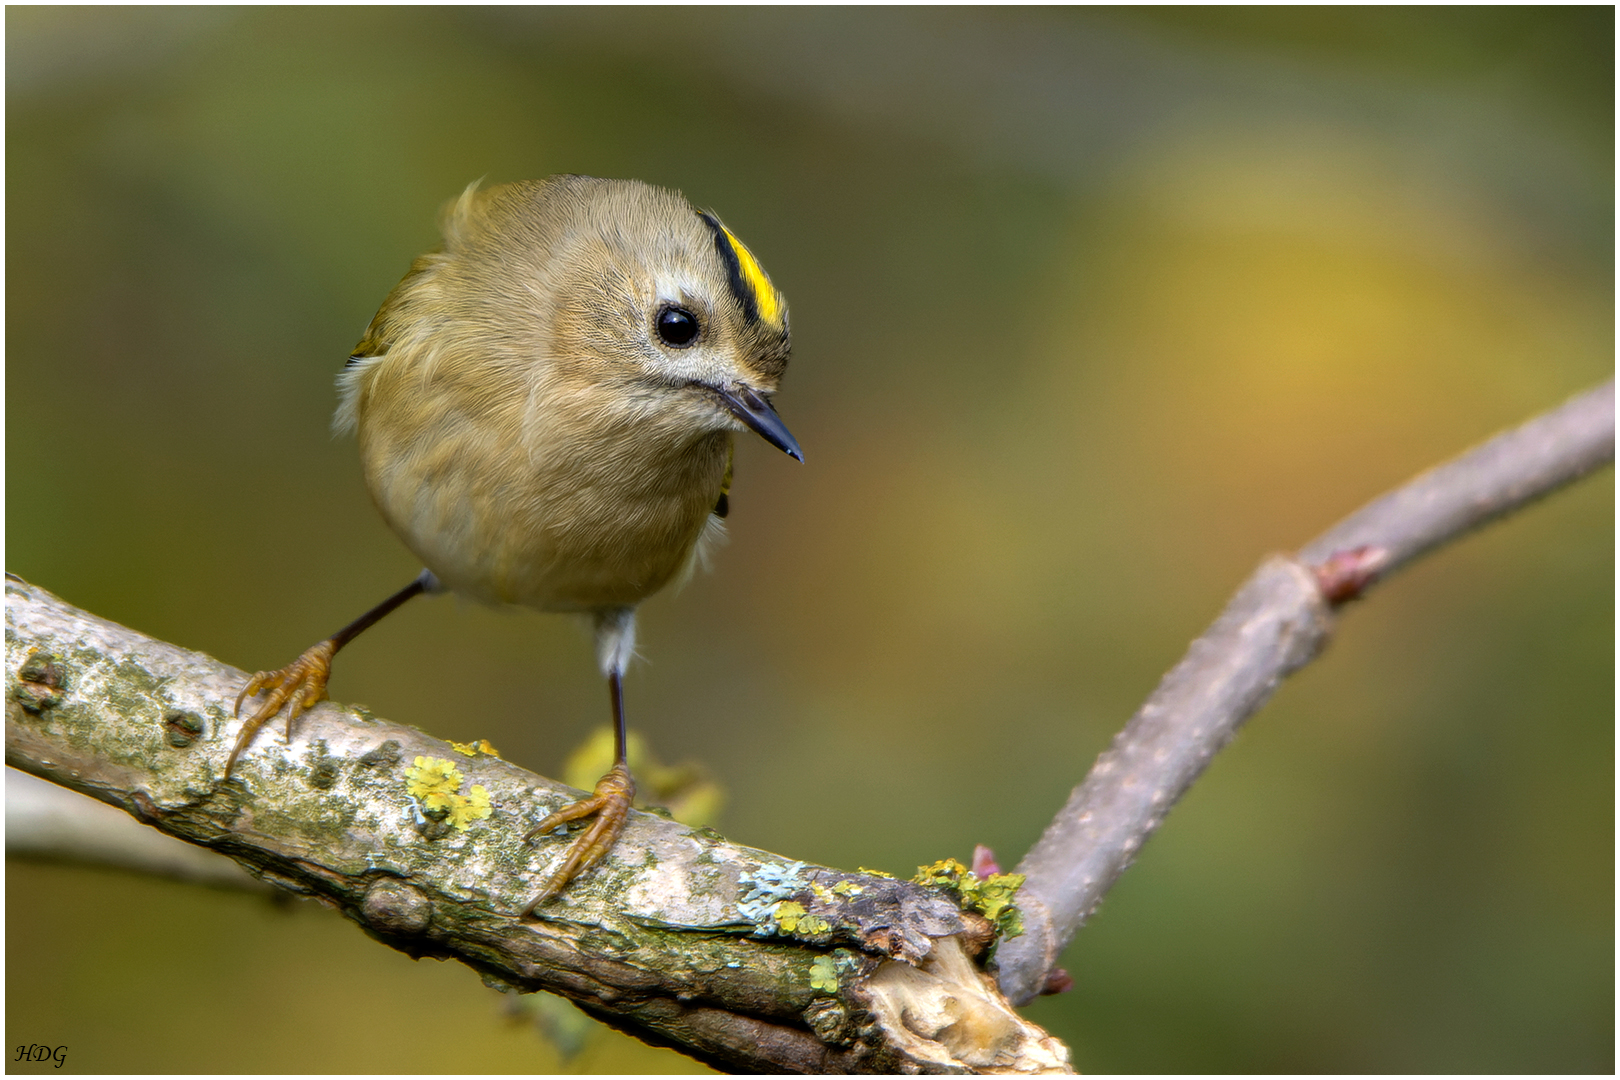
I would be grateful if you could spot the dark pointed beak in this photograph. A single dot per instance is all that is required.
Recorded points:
(755, 410)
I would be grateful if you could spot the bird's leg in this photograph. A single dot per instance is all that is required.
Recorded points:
(610, 804)
(302, 683)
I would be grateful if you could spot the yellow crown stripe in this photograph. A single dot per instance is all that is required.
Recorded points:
(754, 292)
(770, 307)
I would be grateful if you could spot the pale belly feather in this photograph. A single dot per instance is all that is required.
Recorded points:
(556, 535)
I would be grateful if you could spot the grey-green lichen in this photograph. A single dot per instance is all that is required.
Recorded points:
(182, 728)
(384, 756)
(324, 769)
(322, 810)
(40, 682)
(768, 887)
(132, 687)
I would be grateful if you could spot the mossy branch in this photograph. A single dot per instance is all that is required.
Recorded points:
(1278, 622)
(674, 938)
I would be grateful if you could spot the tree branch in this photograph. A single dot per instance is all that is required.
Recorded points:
(735, 956)
(675, 938)
(1276, 623)
(50, 823)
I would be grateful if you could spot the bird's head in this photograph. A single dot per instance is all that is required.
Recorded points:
(644, 295)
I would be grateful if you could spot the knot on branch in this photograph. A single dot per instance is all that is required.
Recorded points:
(396, 908)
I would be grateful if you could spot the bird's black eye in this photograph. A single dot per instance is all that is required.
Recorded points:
(677, 327)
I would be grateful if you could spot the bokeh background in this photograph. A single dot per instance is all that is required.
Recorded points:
(1092, 309)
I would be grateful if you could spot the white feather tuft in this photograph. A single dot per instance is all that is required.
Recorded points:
(349, 384)
(615, 639)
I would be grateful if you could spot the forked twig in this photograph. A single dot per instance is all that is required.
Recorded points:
(1275, 624)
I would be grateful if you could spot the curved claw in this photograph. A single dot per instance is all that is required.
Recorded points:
(300, 686)
(611, 806)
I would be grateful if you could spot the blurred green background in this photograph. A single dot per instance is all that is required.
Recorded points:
(1092, 309)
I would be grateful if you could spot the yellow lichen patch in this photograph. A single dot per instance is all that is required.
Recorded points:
(822, 892)
(992, 897)
(824, 975)
(810, 925)
(482, 746)
(996, 896)
(438, 803)
(849, 888)
(436, 786)
(874, 873)
(789, 913)
(473, 807)
(431, 776)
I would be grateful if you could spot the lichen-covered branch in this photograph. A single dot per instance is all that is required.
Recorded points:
(736, 956)
(1278, 622)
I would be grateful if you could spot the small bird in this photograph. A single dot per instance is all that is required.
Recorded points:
(545, 410)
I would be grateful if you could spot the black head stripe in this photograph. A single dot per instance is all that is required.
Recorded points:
(734, 272)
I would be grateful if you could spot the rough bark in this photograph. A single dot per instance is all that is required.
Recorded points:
(678, 937)
(673, 938)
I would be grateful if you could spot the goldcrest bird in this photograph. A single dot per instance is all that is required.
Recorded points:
(545, 410)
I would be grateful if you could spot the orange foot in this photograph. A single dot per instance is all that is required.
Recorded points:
(302, 682)
(611, 805)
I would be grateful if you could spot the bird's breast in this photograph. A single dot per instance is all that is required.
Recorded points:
(561, 512)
